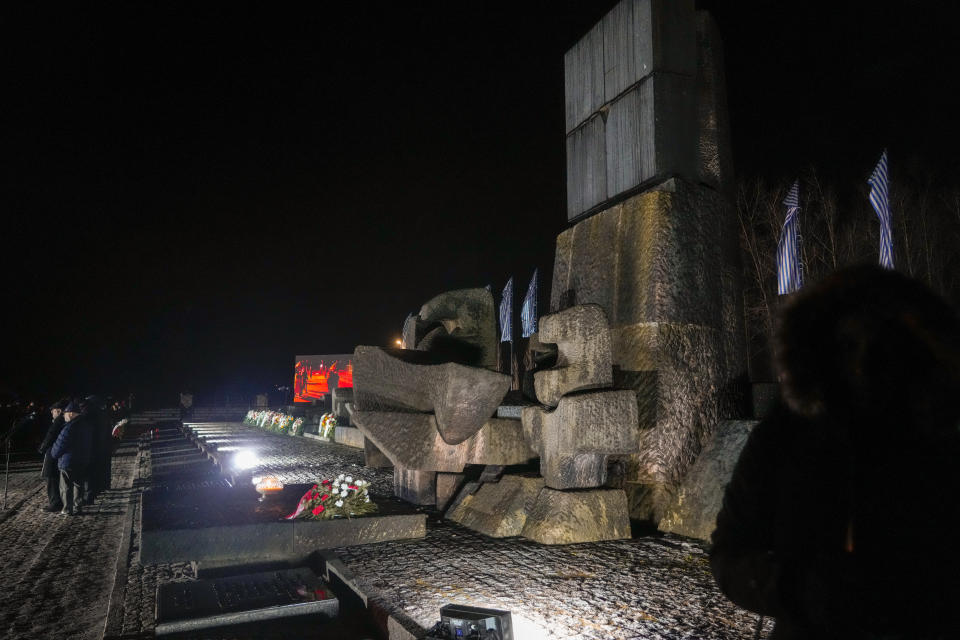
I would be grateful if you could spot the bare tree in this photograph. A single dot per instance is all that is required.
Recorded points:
(834, 234)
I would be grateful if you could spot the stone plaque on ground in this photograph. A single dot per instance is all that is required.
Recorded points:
(203, 604)
(229, 524)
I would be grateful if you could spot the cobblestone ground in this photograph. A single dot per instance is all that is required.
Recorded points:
(650, 587)
(57, 571)
(138, 612)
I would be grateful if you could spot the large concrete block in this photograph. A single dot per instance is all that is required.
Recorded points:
(565, 517)
(469, 317)
(373, 457)
(635, 39)
(714, 149)
(447, 486)
(583, 361)
(462, 397)
(650, 133)
(411, 440)
(656, 257)
(497, 509)
(575, 439)
(414, 485)
(694, 511)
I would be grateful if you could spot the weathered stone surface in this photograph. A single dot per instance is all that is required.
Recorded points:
(462, 397)
(447, 486)
(413, 331)
(565, 517)
(536, 357)
(575, 439)
(583, 353)
(498, 509)
(469, 316)
(714, 149)
(416, 486)
(694, 512)
(662, 265)
(411, 440)
(350, 436)
(373, 457)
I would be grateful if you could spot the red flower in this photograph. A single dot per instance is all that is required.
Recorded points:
(324, 482)
(350, 486)
(324, 497)
(318, 510)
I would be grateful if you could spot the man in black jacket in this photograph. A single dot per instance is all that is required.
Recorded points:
(49, 470)
(839, 518)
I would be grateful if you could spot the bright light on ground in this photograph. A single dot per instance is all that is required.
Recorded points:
(526, 629)
(245, 459)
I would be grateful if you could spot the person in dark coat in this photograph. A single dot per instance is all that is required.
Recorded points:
(98, 473)
(49, 470)
(72, 449)
(840, 515)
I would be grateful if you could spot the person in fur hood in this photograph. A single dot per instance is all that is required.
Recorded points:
(840, 515)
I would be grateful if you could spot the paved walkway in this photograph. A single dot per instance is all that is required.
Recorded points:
(57, 572)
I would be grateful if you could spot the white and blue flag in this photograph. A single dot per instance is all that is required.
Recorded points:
(528, 311)
(789, 265)
(506, 311)
(880, 199)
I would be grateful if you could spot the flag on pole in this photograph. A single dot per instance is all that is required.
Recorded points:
(789, 266)
(528, 311)
(506, 310)
(880, 199)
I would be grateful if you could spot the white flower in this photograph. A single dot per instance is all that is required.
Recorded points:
(343, 494)
(339, 503)
(349, 478)
(339, 477)
(368, 499)
(344, 486)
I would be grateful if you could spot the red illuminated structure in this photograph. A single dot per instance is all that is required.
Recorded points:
(312, 374)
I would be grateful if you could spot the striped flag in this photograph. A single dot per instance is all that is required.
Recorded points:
(880, 199)
(789, 266)
(506, 311)
(528, 311)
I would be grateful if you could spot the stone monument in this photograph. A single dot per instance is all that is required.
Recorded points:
(654, 241)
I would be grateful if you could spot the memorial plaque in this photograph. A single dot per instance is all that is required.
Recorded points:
(202, 604)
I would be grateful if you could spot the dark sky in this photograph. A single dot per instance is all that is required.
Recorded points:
(193, 194)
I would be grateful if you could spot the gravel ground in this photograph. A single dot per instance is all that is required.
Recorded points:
(57, 571)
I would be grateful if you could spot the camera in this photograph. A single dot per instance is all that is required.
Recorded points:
(462, 622)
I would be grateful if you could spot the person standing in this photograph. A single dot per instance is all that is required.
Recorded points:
(50, 472)
(72, 451)
(839, 518)
(97, 422)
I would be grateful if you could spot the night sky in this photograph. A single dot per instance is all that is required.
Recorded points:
(195, 194)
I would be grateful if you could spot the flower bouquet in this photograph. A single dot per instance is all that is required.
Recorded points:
(344, 497)
(284, 423)
(327, 425)
(296, 429)
(251, 417)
